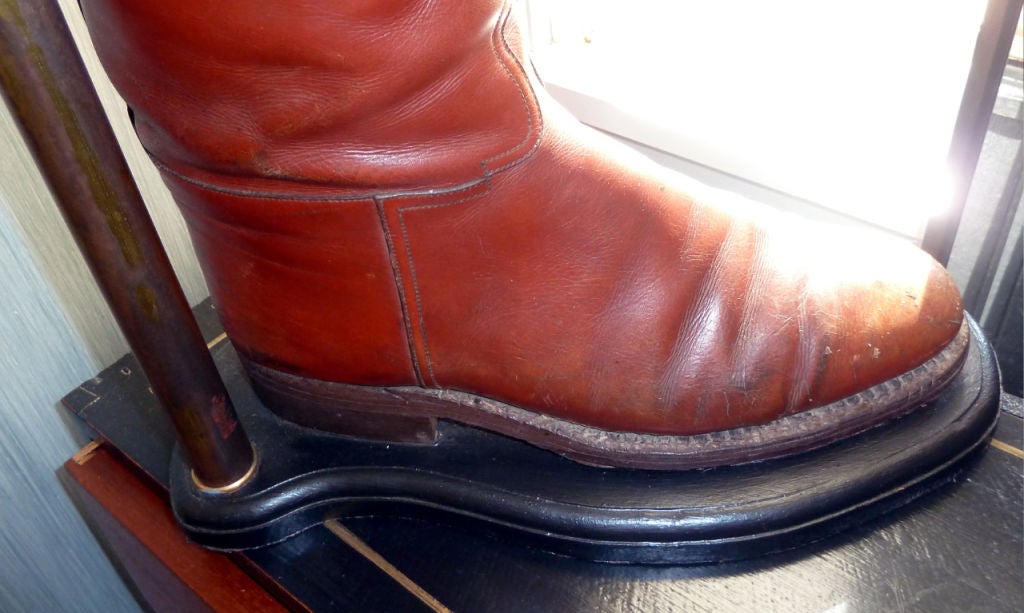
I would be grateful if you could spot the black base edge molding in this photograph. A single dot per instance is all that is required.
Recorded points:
(543, 500)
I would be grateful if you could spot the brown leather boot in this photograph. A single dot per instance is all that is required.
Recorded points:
(397, 225)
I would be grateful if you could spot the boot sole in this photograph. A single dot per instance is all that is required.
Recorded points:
(409, 414)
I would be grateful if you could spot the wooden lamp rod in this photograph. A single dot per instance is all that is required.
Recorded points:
(50, 93)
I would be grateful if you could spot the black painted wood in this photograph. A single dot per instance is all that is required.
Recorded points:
(611, 515)
(329, 576)
(958, 548)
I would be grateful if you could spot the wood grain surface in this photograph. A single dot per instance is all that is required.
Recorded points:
(139, 530)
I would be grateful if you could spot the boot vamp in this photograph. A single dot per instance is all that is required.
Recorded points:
(591, 288)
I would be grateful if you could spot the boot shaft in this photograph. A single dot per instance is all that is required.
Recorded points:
(363, 95)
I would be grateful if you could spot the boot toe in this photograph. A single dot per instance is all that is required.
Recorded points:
(878, 310)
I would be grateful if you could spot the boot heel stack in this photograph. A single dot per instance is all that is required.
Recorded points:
(381, 415)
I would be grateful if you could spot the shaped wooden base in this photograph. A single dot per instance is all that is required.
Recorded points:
(612, 515)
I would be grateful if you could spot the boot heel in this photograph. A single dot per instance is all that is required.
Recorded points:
(349, 410)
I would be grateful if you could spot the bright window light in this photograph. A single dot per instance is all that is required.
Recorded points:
(848, 105)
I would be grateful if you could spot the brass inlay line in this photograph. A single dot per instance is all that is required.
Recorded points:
(234, 485)
(214, 342)
(85, 453)
(91, 402)
(367, 552)
(1010, 449)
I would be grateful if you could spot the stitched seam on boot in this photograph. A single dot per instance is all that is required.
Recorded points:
(530, 129)
(392, 255)
(532, 132)
(259, 194)
(318, 198)
(412, 266)
(397, 277)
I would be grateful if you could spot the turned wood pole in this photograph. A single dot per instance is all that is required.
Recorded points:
(51, 95)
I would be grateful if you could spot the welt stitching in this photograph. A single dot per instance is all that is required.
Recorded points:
(397, 274)
(412, 267)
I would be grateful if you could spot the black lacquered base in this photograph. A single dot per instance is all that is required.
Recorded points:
(613, 515)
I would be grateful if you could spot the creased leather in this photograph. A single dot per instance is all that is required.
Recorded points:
(380, 195)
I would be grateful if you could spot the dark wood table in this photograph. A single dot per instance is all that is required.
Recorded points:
(957, 549)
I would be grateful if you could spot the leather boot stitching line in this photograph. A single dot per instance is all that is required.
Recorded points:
(397, 274)
(326, 198)
(412, 269)
(248, 193)
(526, 93)
(532, 132)
(530, 129)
